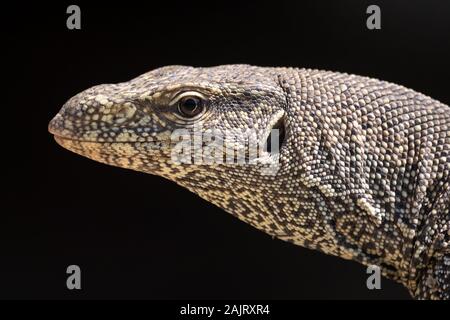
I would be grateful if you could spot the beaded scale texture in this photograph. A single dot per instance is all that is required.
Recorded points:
(363, 167)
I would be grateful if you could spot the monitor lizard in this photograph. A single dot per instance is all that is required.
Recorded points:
(362, 165)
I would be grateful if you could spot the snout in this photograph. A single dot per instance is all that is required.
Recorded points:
(92, 114)
(55, 125)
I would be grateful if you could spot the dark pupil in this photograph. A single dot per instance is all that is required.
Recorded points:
(189, 106)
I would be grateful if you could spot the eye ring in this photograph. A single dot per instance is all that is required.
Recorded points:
(190, 106)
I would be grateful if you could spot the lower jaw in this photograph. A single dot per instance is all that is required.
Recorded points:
(106, 152)
(92, 150)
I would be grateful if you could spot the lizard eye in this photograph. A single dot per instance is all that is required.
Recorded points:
(190, 106)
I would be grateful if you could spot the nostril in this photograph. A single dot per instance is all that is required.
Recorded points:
(124, 113)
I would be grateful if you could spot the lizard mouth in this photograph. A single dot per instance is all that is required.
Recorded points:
(113, 153)
(64, 140)
(58, 138)
(65, 137)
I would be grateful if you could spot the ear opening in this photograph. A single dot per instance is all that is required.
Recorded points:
(276, 137)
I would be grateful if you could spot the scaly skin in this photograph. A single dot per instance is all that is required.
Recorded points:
(363, 168)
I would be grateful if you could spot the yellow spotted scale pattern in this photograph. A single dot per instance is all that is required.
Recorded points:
(363, 169)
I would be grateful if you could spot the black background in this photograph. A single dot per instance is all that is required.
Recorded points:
(140, 236)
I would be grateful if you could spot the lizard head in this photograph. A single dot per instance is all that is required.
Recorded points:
(179, 122)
